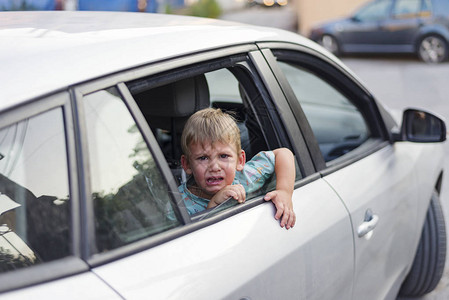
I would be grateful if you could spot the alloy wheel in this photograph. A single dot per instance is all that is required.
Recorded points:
(432, 49)
(330, 44)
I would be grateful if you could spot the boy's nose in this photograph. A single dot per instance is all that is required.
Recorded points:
(214, 164)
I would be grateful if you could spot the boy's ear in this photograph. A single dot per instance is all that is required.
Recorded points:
(185, 164)
(241, 160)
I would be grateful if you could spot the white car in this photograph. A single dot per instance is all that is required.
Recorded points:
(91, 109)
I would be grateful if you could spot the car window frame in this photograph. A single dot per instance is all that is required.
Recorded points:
(406, 15)
(345, 83)
(254, 63)
(72, 264)
(119, 79)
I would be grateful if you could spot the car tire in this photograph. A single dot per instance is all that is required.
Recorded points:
(430, 257)
(330, 43)
(433, 49)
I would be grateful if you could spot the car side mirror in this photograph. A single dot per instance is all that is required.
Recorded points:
(422, 127)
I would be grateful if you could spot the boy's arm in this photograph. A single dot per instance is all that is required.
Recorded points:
(285, 180)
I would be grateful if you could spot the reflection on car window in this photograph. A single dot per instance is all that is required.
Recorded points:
(374, 11)
(406, 8)
(427, 6)
(34, 192)
(337, 124)
(131, 199)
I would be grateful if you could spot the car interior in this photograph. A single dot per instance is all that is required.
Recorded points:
(167, 108)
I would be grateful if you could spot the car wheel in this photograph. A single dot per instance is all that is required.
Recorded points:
(330, 43)
(430, 257)
(433, 49)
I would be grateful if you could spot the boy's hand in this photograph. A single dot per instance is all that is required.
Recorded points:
(284, 207)
(235, 191)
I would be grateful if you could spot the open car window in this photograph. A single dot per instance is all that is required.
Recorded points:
(167, 106)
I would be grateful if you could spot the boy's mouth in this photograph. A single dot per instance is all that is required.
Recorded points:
(214, 180)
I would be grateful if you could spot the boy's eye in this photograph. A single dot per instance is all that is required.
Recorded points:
(224, 156)
(202, 158)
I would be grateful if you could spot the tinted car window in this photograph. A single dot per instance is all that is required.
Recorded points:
(131, 199)
(406, 8)
(337, 124)
(427, 6)
(34, 192)
(374, 11)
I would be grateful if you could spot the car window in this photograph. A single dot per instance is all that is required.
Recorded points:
(229, 95)
(426, 7)
(377, 10)
(167, 107)
(337, 124)
(406, 8)
(34, 192)
(131, 200)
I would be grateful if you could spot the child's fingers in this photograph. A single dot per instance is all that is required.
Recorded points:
(237, 192)
(270, 195)
(279, 205)
(288, 219)
(241, 192)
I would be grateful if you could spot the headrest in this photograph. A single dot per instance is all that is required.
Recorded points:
(178, 99)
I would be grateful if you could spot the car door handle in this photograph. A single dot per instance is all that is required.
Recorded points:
(366, 228)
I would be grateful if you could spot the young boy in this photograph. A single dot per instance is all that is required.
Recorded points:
(214, 158)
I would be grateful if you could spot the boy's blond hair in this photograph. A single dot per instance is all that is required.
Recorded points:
(210, 125)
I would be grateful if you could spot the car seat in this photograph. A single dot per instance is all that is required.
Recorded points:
(167, 108)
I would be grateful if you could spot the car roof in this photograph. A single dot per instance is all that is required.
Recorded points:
(43, 52)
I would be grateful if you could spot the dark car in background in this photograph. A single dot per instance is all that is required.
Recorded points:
(268, 3)
(391, 26)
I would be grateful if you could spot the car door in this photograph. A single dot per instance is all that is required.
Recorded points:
(364, 31)
(401, 29)
(371, 176)
(232, 253)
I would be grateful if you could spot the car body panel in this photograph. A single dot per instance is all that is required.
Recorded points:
(399, 209)
(81, 53)
(238, 247)
(83, 286)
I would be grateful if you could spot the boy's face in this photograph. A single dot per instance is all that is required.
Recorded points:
(213, 166)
